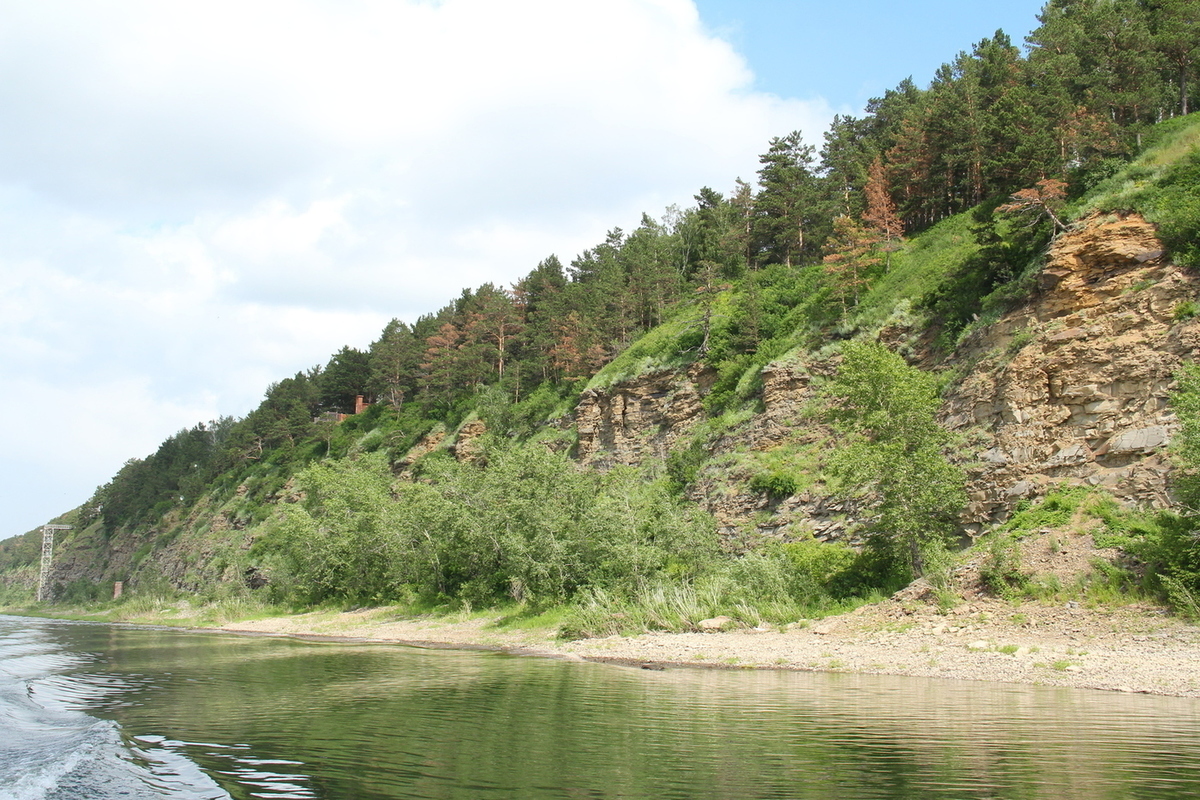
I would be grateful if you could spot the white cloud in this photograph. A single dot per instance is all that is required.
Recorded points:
(197, 198)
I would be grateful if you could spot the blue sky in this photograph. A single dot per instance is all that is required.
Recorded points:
(850, 51)
(200, 197)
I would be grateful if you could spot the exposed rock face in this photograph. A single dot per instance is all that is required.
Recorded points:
(467, 446)
(1074, 385)
(1070, 387)
(630, 422)
(431, 441)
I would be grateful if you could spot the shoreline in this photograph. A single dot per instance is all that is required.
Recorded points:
(1132, 649)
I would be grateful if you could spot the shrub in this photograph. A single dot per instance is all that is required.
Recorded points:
(1001, 568)
(775, 485)
(818, 566)
(1185, 311)
(530, 526)
(683, 466)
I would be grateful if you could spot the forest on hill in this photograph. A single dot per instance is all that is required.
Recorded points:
(941, 199)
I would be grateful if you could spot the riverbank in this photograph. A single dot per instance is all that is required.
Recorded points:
(1127, 648)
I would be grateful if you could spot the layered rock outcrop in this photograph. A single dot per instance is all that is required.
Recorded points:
(634, 421)
(630, 422)
(1071, 386)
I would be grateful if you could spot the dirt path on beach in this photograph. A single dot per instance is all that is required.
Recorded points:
(1129, 649)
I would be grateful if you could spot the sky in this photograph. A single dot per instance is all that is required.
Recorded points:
(200, 198)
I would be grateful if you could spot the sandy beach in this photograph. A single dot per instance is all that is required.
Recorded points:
(1126, 649)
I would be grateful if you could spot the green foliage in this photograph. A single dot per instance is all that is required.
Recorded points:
(777, 310)
(775, 586)
(893, 456)
(672, 345)
(20, 551)
(82, 590)
(1163, 183)
(775, 485)
(919, 267)
(1007, 256)
(1176, 209)
(818, 568)
(1073, 510)
(683, 465)
(1001, 569)
(1186, 447)
(789, 222)
(1055, 510)
(1170, 548)
(346, 376)
(16, 595)
(520, 419)
(530, 526)
(178, 472)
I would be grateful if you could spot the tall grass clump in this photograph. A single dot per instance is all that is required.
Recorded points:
(779, 584)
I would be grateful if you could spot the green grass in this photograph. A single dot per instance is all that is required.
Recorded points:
(1161, 184)
(676, 606)
(917, 268)
(671, 345)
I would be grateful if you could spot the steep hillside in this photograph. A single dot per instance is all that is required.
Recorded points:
(704, 453)
(1071, 386)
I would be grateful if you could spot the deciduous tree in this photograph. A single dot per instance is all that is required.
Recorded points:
(893, 453)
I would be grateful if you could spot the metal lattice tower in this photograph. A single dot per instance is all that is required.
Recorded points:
(47, 556)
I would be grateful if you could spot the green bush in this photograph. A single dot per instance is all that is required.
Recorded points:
(1052, 511)
(1001, 568)
(775, 485)
(818, 567)
(683, 466)
(530, 526)
(893, 454)
(82, 590)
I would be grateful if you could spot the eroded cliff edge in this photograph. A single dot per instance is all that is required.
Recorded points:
(1070, 386)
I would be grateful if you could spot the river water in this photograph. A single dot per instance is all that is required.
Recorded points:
(102, 711)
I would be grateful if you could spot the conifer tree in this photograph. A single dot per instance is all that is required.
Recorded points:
(852, 254)
(880, 213)
(395, 361)
(786, 208)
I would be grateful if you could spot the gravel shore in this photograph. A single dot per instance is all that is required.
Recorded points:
(1127, 649)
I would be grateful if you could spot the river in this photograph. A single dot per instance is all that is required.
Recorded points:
(107, 711)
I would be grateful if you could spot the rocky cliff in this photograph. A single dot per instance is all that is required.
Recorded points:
(1071, 386)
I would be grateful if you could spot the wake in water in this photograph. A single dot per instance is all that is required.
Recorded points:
(52, 750)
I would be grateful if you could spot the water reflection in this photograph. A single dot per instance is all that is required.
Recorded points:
(282, 718)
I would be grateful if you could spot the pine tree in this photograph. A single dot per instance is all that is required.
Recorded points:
(491, 325)
(880, 213)
(440, 371)
(395, 362)
(852, 254)
(787, 205)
